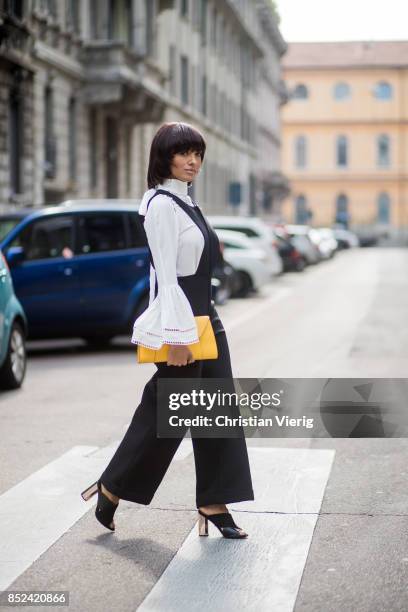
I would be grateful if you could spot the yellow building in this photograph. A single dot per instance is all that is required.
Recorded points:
(345, 133)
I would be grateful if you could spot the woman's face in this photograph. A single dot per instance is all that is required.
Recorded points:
(185, 166)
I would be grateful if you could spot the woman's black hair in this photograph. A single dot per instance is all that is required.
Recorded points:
(170, 138)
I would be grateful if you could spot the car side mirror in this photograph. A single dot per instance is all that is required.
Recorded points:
(15, 255)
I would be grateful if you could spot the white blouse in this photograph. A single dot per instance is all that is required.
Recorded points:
(176, 244)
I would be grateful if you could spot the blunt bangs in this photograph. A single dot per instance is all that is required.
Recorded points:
(171, 138)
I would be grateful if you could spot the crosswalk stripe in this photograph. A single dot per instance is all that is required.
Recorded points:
(262, 572)
(40, 509)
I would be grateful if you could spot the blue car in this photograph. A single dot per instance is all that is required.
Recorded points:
(80, 269)
(13, 331)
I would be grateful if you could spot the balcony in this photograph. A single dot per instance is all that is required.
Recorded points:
(116, 75)
(15, 36)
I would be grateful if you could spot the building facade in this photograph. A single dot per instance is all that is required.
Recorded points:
(345, 133)
(86, 83)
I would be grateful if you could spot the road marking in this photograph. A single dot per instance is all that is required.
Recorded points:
(40, 509)
(264, 571)
(37, 511)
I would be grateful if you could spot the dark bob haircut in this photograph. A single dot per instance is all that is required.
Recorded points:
(171, 138)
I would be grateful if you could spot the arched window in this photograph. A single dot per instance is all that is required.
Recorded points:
(300, 92)
(301, 210)
(342, 212)
(342, 91)
(383, 150)
(342, 151)
(383, 208)
(300, 152)
(383, 90)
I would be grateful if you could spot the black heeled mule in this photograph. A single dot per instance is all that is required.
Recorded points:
(105, 508)
(224, 523)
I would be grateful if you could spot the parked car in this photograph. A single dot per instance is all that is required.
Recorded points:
(13, 332)
(258, 232)
(300, 235)
(80, 269)
(291, 257)
(345, 238)
(251, 263)
(326, 241)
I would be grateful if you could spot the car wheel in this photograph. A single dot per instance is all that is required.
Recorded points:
(98, 341)
(140, 307)
(301, 264)
(13, 371)
(245, 285)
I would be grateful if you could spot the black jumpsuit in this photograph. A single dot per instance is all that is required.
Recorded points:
(141, 460)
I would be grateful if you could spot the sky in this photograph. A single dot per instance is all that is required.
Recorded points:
(325, 20)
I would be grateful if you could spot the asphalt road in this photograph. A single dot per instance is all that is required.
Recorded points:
(329, 525)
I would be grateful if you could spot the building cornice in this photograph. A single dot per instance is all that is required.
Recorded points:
(48, 55)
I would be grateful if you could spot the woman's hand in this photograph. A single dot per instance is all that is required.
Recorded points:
(179, 355)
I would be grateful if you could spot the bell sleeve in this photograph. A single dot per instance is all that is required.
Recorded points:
(176, 316)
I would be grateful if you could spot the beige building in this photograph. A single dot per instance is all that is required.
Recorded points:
(84, 84)
(345, 133)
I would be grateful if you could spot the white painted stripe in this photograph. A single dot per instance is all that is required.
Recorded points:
(36, 512)
(184, 450)
(264, 571)
(39, 510)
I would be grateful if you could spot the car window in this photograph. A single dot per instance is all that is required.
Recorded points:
(137, 237)
(102, 232)
(47, 238)
(247, 231)
(231, 245)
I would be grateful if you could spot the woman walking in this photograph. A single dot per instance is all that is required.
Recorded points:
(184, 249)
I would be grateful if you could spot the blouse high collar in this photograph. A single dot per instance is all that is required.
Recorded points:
(175, 185)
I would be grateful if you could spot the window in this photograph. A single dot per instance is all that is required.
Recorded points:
(50, 145)
(383, 208)
(383, 91)
(52, 8)
(47, 238)
(341, 151)
(102, 232)
(231, 245)
(184, 80)
(184, 8)
(15, 140)
(300, 152)
(93, 18)
(301, 210)
(383, 150)
(172, 67)
(204, 95)
(300, 92)
(73, 15)
(128, 161)
(150, 32)
(342, 214)
(137, 237)
(203, 21)
(93, 147)
(16, 8)
(72, 136)
(213, 28)
(342, 91)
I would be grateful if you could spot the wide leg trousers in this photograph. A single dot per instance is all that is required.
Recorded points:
(142, 459)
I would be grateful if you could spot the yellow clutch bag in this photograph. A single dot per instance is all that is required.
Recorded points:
(205, 348)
